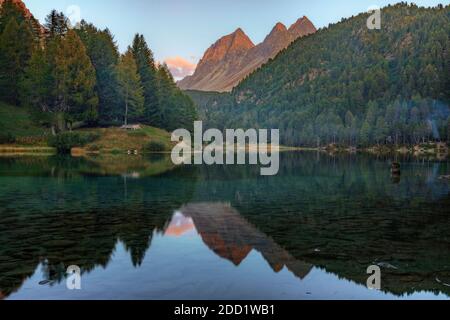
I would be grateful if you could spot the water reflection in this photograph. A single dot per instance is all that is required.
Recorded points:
(224, 232)
(232, 237)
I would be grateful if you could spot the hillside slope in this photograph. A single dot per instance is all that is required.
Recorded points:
(348, 84)
(18, 122)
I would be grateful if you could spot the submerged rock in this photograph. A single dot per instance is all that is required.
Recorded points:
(386, 265)
(44, 282)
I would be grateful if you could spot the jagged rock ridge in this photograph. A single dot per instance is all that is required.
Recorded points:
(234, 56)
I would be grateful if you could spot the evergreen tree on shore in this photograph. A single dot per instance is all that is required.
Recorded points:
(78, 78)
(131, 91)
(16, 45)
(178, 109)
(56, 24)
(75, 80)
(147, 72)
(37, 82)
(102, 50)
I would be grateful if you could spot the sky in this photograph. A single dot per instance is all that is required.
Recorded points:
(179, 31)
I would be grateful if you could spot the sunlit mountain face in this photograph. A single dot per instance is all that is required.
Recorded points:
(225, 232)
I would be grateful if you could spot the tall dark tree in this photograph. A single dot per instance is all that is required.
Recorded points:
(75, 81)
(37, 84)
(57, 24)
(104, 55)
(178, 110)
(143, 56)
(60, 80)
(131, 91)
(16, 45)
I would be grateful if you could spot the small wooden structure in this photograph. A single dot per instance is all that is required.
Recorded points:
(131, 127)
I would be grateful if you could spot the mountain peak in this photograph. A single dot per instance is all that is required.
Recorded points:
(234, 56)
(279, 27)
(240, 32)
(234, 43)
(302, 27)
(240, 41)
(278, 37)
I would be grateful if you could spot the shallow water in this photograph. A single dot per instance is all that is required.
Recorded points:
(141, 229)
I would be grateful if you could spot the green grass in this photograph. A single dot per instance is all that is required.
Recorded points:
(18, 122)
(116, 140)
(21, 124)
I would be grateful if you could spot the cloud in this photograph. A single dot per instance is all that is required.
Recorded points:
(179, 226)
(180, 67)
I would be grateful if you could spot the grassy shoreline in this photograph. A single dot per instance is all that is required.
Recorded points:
(137, 147)
(22, 149)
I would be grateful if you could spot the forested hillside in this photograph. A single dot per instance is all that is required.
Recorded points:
(76, 77)
(350, 85)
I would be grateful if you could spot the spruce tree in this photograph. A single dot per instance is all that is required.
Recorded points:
(37, 82)
(16, 44)
(56, 24)
(178, 110)
(147, 71)
(103, 52)
(131, 91)
(75, 81)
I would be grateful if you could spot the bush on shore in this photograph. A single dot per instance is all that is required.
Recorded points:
(64, 142)
(7, 138)
(155, 146)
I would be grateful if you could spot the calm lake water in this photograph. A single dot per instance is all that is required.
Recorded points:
(141, 229)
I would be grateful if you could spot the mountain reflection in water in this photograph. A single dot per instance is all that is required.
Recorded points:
(225, 233)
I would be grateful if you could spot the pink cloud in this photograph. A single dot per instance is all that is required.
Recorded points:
(180, 67)
(179, 226)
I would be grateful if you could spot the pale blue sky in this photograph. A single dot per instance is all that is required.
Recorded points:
(187, 28)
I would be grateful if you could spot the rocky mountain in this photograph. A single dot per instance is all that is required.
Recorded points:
(234, 57)
(27, 14)
(349, 85)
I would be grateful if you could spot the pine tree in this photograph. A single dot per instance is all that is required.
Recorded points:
(147, 71)
(381, 130)
(166, 88)
(37, 82)
(103, 52)
(57, 24)
(131, 91)
(178, 110)
(16, 44)
(365, 134)
(75, 81)
(350, 127)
